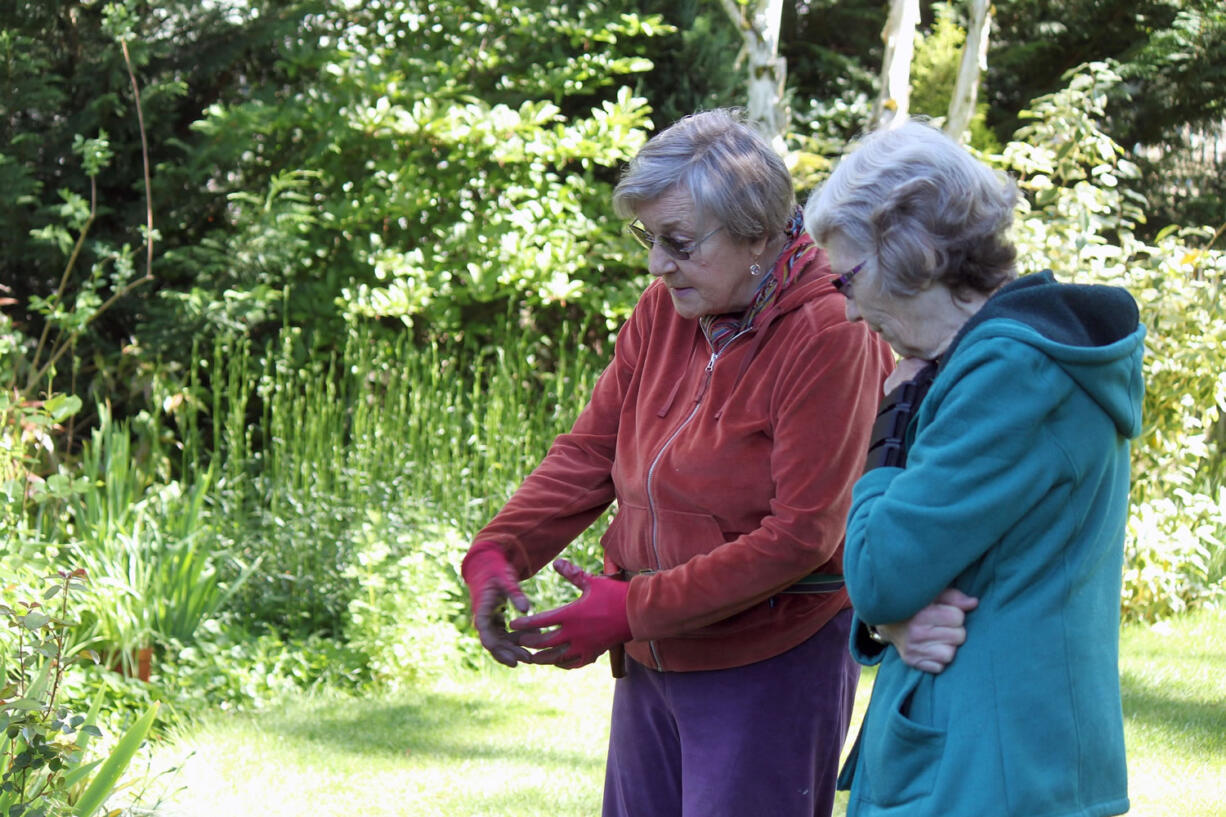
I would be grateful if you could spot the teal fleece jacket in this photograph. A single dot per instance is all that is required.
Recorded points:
(1015, 491)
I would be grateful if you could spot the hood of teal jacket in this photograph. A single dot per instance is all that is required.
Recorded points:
(1092, 332)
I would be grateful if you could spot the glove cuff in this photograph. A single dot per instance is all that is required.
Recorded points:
(483, 558)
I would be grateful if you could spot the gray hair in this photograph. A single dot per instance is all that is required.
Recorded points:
(923, 209)
(729, 170)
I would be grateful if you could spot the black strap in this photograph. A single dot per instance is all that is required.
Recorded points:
(814, 583)
(888, 444)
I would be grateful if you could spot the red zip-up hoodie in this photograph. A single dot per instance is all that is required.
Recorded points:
(732, 473)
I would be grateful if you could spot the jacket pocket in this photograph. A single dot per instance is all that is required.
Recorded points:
(627, 541)
(678, 536)
(900, 757)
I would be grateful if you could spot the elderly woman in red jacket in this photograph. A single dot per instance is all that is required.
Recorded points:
(729, 427)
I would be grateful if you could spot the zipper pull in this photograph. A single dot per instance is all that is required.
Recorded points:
(706, 381)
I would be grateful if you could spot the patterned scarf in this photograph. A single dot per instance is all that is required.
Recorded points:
(721, 329)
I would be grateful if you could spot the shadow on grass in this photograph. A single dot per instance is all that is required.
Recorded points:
(1194, 724)
(427, 725)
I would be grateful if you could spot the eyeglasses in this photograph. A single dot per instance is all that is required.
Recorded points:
(844, 281)
(681, 252)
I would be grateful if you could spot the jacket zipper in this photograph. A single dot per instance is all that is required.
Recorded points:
(651, 470)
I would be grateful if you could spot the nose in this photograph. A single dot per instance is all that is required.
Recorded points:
(660, 262)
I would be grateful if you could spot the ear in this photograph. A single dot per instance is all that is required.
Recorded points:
(758, 246)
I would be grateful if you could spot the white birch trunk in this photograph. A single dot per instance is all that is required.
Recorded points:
(759, 22)
(899, 38)
(974, 63)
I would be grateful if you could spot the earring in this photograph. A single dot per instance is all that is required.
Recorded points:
(755, 270)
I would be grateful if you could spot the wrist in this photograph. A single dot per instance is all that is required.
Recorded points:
(481, 559)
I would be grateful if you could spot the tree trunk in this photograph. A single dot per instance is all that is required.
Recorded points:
(974, 63)
(759, 22)
(899, 39)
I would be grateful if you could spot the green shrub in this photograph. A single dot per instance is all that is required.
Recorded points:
(234, 667)
(306, 455)
(408, 617)
(1078, 218)
(421, 163)
(146, 547)
(47, 764)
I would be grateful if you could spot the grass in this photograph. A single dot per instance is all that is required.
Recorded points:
(531, 742)
(1174, 683)
(526, 742)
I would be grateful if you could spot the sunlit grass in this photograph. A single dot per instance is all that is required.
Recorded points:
(531, 741)
(526, 742)
(1174, 682)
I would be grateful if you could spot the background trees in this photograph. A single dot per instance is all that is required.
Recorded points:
(317, 159)
(386, 271)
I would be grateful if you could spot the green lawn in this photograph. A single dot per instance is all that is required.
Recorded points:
(531, 742)
(1174, 682)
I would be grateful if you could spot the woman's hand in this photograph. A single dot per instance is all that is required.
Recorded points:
(491, 583)
(906, 369)
(929, 640)
(585, 628)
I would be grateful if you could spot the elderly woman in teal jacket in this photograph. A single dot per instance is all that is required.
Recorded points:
(999, 471)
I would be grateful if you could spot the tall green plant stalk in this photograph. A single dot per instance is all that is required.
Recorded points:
(382, 424)
(149, 549)
(28, 425)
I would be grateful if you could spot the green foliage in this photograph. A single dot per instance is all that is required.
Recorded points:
(1078, 219)
(232, 668)
(692, 65)
(381, 177)
(833, 50)
(147, 548)
(1175, 76)
(45, 769)
(408, 617)
(1077, 214)
(108, 776)
(1170, 56)
(385, 430)
(934, 75)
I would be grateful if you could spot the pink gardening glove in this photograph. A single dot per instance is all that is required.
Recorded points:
(491, 582)
(586, 627)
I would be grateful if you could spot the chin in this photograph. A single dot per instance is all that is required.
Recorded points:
(686, 310)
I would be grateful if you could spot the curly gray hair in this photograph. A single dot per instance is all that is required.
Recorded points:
(923, 210)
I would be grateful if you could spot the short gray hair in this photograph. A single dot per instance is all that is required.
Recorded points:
(729, 170)
(923, 209)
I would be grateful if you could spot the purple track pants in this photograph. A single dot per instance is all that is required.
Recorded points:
(756, 741)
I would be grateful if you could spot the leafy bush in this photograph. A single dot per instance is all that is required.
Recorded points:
(145, 546)
(381, 176)
(305, 455)
(1079, 219)
(45, 765)
(409, 614)
(233, 667)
